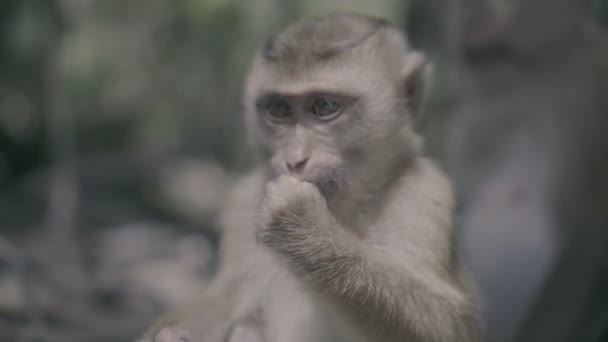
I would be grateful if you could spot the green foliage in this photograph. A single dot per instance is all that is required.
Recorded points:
(600, 7)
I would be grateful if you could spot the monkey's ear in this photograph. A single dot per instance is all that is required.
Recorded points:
(413, 75)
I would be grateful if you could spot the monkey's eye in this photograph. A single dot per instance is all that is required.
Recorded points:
(325, 107)
(278, 109)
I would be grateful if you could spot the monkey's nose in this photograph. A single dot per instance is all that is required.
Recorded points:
(297, 166)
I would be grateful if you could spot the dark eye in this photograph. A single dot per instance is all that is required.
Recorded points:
(278, 109)
(325, 107)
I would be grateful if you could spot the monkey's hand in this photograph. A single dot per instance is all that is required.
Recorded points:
(291, 213)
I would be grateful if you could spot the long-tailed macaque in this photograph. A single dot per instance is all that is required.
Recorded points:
(344, 232)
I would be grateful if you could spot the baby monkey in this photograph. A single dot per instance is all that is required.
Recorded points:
(344, 232)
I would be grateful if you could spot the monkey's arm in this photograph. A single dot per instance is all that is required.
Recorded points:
(209, 316)
(204, 318)
(388, 298)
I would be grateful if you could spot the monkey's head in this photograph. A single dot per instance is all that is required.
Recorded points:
(331, 100)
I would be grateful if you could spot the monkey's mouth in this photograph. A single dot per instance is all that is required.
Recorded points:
(329, 181)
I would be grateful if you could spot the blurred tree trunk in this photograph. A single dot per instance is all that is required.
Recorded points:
(23, 70)
(531, 162)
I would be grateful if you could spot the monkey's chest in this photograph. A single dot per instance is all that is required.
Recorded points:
(283, 310)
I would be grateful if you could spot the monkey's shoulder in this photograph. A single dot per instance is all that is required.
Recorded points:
(424, 184)
(418, 215)
(238, 219)
(242, 201)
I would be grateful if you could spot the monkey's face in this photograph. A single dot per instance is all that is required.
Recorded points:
(301, 134)
(325, 131)
(337, 120)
